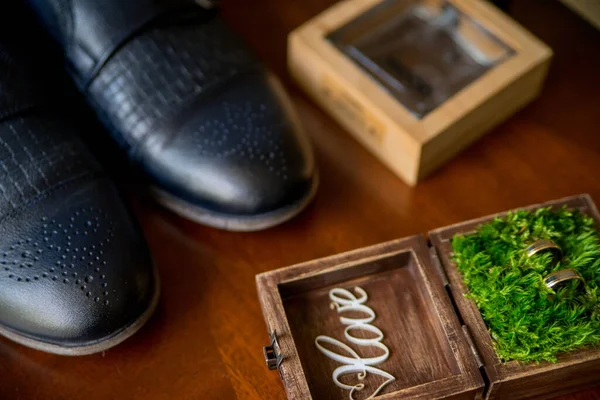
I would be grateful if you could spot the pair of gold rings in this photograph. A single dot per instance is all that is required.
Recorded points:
(558, 277)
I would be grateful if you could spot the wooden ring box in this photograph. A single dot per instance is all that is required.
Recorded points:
(410, 141)
(439, 345)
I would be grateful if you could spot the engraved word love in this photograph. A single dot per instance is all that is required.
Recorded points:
(343, 301)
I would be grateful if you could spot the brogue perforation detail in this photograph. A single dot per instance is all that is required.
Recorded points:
(247, 131)
(74, 264)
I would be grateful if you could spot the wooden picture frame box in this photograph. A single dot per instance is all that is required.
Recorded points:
(409, 146)
(439, 345)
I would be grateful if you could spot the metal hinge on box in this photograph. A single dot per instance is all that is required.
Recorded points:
(272, 353)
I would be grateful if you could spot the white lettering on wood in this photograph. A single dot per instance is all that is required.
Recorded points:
(343, 300)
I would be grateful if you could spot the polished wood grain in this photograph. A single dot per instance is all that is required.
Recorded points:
(205, 340)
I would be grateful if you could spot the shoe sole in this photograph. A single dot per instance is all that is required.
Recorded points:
(97, 347)
(231, 222)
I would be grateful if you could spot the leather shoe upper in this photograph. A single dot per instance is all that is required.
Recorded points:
(190, 103)
(74, 267)
(230, 152)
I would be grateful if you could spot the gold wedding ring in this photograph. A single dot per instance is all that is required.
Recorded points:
(563, 275)
(541, 246)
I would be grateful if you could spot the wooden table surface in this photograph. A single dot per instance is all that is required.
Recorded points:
(205, 340)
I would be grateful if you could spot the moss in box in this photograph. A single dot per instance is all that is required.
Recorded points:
(529, 322)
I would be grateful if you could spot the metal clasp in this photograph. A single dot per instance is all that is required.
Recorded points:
(273, 356)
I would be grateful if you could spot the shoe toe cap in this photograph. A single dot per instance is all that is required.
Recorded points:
(74, 268)
(240, 151)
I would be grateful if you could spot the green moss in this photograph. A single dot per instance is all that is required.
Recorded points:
(529, 322)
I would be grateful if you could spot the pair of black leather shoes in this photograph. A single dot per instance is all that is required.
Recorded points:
(210, 129)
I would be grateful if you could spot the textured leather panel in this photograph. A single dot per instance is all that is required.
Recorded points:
(38, 150)
(159, 71)
(37, 153)
(93, 29)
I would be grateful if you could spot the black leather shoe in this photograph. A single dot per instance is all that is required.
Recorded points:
(191, 105)
(75, 273)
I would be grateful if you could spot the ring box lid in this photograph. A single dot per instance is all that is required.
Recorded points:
(439, 345)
